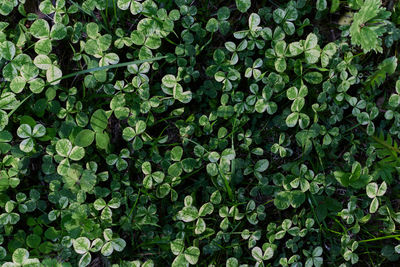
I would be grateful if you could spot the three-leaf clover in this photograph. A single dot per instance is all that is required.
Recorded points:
(25, 131)
(67, 152)
(119, 160)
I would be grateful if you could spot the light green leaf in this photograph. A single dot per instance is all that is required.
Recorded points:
(257, 254)
(140, 127)
(53, 74)
(292, 119)
(192, 255)
(58, 31)
(17, 85)
(282, 200)
(372, 189)
(176, 153)
(107, 249)
(20, 256)
(92, 30)
(374, 205)
(99, 120)
(42, 62)
(254, 21)
(189, 214)
(26, 145)
(7, 50)
(280, 64)
(24, 131)
(63, 147)
(200, 226)
(313, 77)
(3, 119)
(382, 189)
(177, 246)
(321, 5)
(180, 261)
(232, 262)
(169, 80)
(81, 245)
(212, 25)
(38, 131)
(85, 260)
(77, 153)
(261, 165)
(40, 28)
(243, 5)
(118, 244)
(84, 138)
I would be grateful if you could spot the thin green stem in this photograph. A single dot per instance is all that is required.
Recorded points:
(379, 238)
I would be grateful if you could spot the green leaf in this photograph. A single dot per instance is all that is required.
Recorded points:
(85, 260)
(3, 119)
(189, 214)
(254, 21)
(232, 262)
(321, 5)
(212, 25)
(180, 261)
(364, 34)
(243, 5)
(81, 245)
(280, 64)
(99, 120)
(169, 81)
(17, 84)
(24, 131)
(382, 189)
(20, 255)
(206, 209)
(176, 153)
(88, 181)
(58, 31)
(53, 75)
(40, 29)
(43, 46)
(118, 244)
(282, 200)
(63, 147)
(77, 153)
(374, 205)
(33, 240)
(107, 249)
(372, 190)
(92, 30)
(192, 255)
(7, 50)
(177, 246)
(394, 100)
(84, 138)
(335, 5)
(26, 145)
(140, 127)
(313, 77)
(297, 198)
(280, 48)
(261, 165)
(257, 254)
(327, 53)
(42, 62)
(38, 131)
(292, 119)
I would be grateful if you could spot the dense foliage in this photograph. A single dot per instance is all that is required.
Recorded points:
(209, 133)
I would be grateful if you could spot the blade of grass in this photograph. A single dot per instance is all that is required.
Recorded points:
(105, 68)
